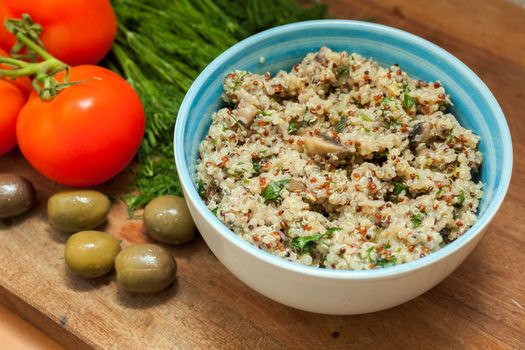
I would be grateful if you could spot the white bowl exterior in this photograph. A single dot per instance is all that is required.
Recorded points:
(347, 292)
(326, 295)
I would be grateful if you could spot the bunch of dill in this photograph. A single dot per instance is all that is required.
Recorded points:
(161, 47)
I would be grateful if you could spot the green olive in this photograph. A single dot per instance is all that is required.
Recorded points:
(168, 220)
(145, 268)
(91, 254)
(73, 211)
(17, 195)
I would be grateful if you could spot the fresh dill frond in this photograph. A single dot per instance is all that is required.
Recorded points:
(160, 49)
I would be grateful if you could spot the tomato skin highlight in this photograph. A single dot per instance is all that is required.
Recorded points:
(88, 133)
(75, 31)
(13, 96)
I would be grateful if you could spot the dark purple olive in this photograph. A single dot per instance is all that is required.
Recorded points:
(17, 195)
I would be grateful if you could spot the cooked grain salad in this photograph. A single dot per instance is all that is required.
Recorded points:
(340, 163)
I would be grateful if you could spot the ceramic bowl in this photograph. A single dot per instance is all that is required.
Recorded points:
(325, 290)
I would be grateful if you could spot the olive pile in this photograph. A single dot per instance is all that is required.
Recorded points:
(140, 268)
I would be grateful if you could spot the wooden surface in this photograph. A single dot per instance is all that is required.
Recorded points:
(481, 305)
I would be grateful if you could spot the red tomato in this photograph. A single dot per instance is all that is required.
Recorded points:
(85, 135)
(13, 96)
(75, 31)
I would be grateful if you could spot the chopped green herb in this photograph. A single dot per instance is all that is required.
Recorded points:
(385, 101)
(272, 192)
(379, 261)
(302, 244)
(214, 211)
(461, 199)
(367, 129)
(368, 251)
(408, 101)
(256, 166)
(292, 127)
(440, 192)
(341, 125)
(343, 70)
(385, 153)
(235, 122)
(238, 80)
(332, 230)
(224, 126)
(416, 220)
(364, 117)
(455, 172)
(385, 263)
(395, 124)
(377, 232)
(399, 187)
(201, 189)
(263, 113)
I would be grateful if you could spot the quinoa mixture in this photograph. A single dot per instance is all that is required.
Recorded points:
(340, 163)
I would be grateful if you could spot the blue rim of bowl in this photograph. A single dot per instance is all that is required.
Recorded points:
(193, 196)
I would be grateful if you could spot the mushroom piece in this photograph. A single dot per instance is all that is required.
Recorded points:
(323, 144)
(296, 186)
(421, 133)
(246, 113)
(443, 130)
(475, 173)
(444, 233)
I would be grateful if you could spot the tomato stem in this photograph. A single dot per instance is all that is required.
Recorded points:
(29, 69)
(27, 34)
(35, 47)
(13, 62)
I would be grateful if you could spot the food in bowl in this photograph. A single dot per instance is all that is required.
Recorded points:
(340, 163)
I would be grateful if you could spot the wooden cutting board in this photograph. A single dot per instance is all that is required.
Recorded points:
(481, 305)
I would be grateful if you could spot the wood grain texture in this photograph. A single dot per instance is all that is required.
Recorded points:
(481, 305)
